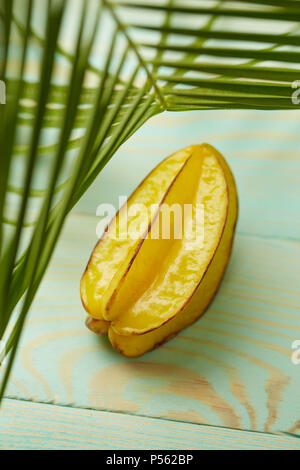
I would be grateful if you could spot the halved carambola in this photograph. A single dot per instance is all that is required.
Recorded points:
(143, 290)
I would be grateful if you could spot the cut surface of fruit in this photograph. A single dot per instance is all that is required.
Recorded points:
(168, 275)
(165, 272)
(112, 253)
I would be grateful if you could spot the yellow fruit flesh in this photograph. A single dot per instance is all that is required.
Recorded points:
(136, 345)
(171, 282)
(111, 256)
(164, 273)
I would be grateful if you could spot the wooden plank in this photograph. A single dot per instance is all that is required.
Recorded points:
(261, 147)
(35, 426)
(232, 368)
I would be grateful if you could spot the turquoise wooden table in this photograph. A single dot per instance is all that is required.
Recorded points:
(229, 380)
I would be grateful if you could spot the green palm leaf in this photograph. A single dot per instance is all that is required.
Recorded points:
(78, 88)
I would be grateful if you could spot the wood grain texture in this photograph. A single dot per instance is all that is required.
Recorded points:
(34, 426)
(232, 368)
